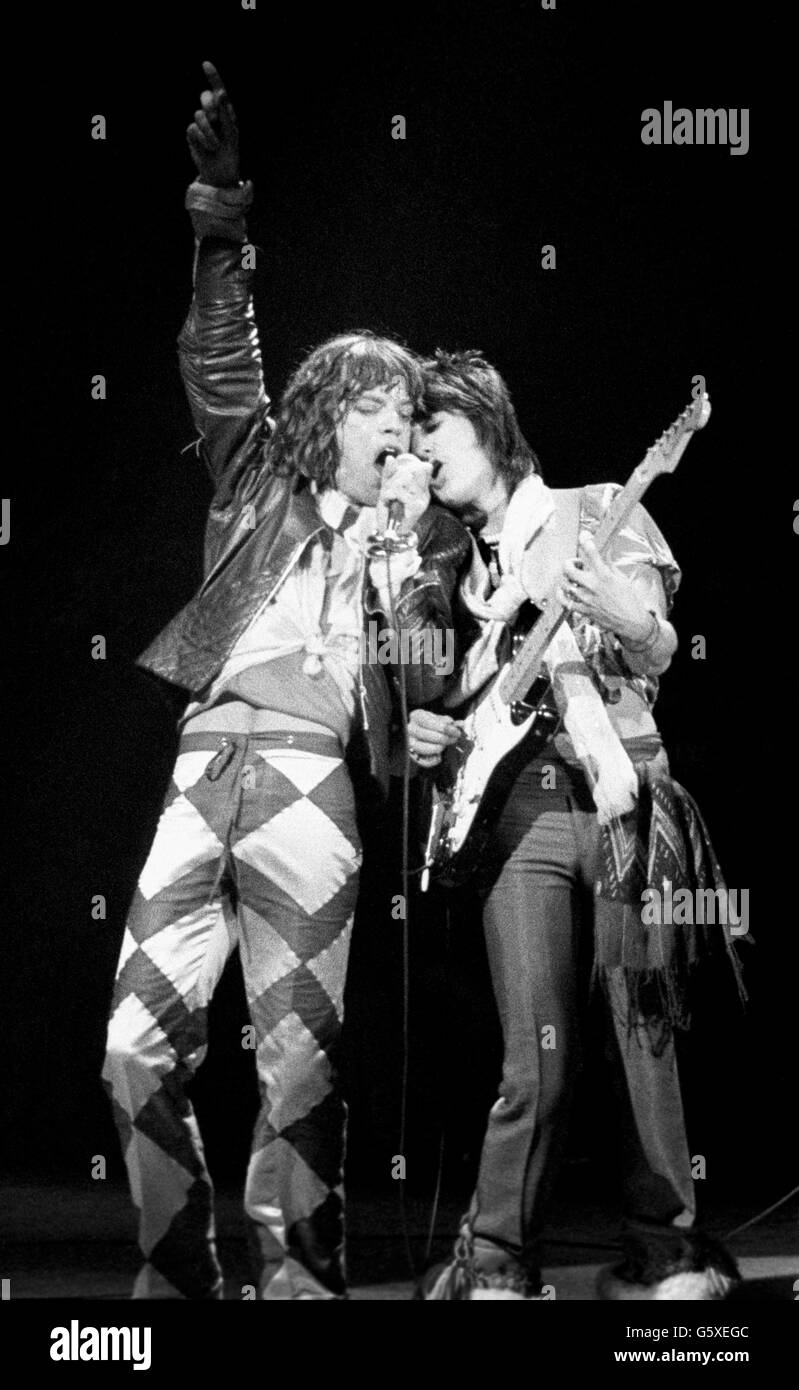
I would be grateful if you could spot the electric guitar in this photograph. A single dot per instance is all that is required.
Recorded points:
(510, 719)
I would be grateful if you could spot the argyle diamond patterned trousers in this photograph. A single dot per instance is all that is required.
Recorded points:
(257, 847)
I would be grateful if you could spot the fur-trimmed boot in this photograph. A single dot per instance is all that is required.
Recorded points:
(461, 1279)
(687, 1266)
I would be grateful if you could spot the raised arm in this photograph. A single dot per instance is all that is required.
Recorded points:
(220, 357)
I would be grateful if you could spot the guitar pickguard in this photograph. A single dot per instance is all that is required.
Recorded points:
(476, 780)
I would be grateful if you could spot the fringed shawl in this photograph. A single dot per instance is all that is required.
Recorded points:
(663, 845)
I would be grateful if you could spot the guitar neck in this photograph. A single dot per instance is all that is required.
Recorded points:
(620, 508)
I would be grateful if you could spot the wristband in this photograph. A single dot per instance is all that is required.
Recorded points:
(219, 211)
(221, 202)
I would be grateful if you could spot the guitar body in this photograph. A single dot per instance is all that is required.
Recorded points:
(476, 775)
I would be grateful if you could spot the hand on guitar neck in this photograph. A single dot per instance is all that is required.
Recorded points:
(595, 590)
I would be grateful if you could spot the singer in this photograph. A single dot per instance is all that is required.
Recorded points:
(552, 856)
(269, 651)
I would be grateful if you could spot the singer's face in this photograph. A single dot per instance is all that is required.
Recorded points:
(379, 419)
(463, 474)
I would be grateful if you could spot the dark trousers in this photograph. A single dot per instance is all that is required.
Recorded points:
(538, 931)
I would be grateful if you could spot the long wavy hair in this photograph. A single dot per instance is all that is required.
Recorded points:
(303, 442)
(466, 384)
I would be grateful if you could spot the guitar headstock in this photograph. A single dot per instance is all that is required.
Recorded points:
(666, 452)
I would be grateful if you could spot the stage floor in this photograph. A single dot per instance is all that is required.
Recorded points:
(71, 1242)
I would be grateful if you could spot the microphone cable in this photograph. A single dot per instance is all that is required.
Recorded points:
(405, 882)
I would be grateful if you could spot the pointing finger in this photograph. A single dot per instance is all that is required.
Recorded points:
(215, 81)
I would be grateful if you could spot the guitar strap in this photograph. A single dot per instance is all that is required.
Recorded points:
(541, 566)
(557, 543)
(568, 511)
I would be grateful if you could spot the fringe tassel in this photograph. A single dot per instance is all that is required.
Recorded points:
(667, 841)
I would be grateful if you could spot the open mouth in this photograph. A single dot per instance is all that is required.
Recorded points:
(384, 455)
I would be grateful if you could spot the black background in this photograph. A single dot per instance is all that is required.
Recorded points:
(523, 129)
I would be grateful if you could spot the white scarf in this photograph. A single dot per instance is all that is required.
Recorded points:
(530, 562)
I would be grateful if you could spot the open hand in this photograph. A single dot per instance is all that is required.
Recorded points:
(213, 136)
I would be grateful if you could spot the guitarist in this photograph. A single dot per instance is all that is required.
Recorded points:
(558, 882)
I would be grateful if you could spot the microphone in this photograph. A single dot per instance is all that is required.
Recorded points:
(395, 508)
(391, 541)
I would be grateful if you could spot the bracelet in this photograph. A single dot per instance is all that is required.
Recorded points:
(226, 203)
(649, 640)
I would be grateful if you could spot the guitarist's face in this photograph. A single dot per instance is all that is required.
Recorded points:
(464, 477)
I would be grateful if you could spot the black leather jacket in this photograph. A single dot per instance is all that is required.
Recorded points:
(259, 523)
